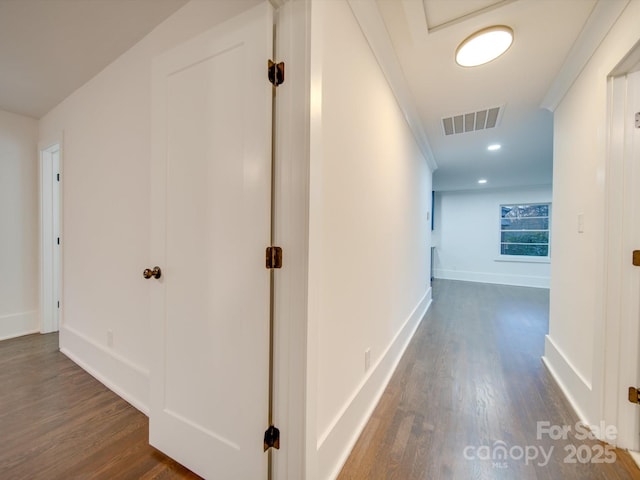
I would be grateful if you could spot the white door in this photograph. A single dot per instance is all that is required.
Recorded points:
(628, 414)
(631, 307)
(211, 200)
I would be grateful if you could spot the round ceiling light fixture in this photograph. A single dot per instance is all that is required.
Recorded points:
(484, 45)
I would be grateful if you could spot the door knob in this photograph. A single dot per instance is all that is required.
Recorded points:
(155, 273)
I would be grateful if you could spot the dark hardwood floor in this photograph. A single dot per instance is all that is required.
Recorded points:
(470, 382)
(58, 422)
(471, 378)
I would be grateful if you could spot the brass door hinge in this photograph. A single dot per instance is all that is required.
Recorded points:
(275, 73)
(634, 395)
(274, 257)
(272, 438)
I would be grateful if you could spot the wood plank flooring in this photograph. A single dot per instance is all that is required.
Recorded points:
(471, 378)
(58, 422)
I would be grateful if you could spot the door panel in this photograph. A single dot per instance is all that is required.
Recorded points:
(211, 224)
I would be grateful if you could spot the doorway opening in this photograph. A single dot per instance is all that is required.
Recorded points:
(50, 254)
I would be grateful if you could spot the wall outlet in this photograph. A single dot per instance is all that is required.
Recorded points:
(110, 338)
(367, 359)
(581, 223)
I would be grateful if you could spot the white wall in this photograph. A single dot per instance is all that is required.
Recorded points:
(19, 284)
(574, 347)
(105, 126)
(370, 192)
(467, 237)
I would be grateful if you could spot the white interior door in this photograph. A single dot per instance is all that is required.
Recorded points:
(211, 191)
(628, 414)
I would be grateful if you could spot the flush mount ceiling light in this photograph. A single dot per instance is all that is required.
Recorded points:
(482, 181)
(484, 45)
(494, 147)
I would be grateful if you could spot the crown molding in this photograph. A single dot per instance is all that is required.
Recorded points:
(602, 18)
(375, 31)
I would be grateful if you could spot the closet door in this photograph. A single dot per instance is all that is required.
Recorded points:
(211, 201)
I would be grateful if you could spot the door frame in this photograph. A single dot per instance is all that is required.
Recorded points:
(620, 367)
(291, 232)
(50, 219)
(291, 212)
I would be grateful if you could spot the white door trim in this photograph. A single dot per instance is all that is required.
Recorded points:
(50, 229)
(620, 367)
(291, 232)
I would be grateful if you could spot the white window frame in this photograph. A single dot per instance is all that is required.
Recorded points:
(522, 258)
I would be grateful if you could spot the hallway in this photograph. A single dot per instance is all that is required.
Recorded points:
(472, 380)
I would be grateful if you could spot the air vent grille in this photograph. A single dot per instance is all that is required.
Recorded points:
(470, 122)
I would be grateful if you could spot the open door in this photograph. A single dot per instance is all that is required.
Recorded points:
(211, 217)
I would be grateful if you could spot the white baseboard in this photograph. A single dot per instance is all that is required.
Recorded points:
(128, 380)
(635, 456)
(497, 278)
(574, 387)
(335, 445)
(19, 324)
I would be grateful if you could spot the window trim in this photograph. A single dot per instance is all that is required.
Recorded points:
(524, 258)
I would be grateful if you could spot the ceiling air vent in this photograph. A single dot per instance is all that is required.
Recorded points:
(470, 122)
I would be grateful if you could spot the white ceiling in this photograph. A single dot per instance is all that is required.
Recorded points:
(425, 35)
(49, 48)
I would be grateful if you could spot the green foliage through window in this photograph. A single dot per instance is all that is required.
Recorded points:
(524, 229)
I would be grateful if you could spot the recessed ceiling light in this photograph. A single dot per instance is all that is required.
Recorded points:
(484, 45)
(494, 147)
(482, 181)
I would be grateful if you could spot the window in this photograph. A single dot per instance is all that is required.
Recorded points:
(524, 229)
